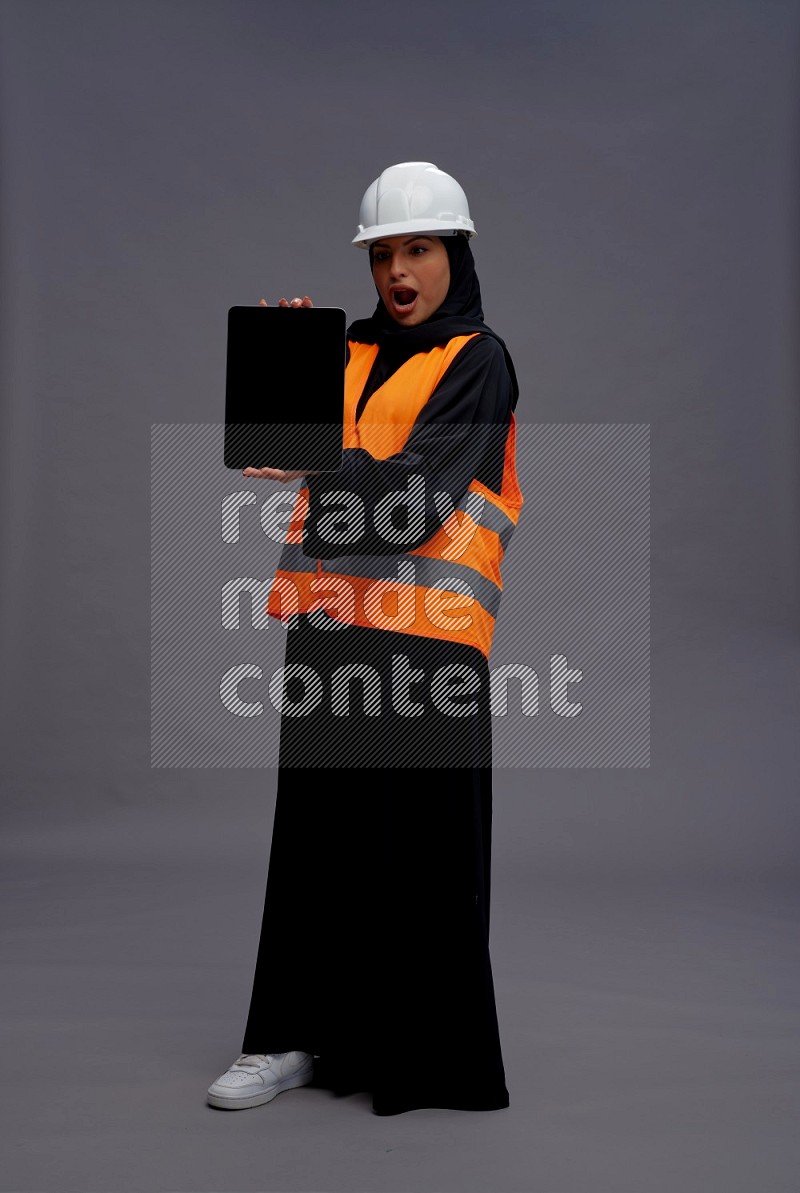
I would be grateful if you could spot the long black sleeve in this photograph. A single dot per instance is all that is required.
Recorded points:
(459, 434)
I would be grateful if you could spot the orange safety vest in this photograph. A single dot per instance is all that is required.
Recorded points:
(448, 588)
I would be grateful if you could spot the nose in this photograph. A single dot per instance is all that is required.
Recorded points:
(397, 268)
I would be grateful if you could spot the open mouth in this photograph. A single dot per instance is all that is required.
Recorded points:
(403, 300)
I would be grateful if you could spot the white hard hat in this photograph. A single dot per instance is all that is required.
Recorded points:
(412, 197)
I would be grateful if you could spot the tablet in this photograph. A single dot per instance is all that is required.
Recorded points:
(284, 391)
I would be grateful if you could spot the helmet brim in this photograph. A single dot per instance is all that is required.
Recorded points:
(367, 236)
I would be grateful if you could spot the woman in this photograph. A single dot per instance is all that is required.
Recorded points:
(373, 957)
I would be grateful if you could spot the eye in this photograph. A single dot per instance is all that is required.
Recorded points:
(380, 255)
(419, 248)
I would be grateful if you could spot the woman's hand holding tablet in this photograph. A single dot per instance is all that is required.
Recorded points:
(275, 474)
(296, 302)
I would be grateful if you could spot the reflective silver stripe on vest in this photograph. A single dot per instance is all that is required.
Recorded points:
(428, 573)
(492, 517)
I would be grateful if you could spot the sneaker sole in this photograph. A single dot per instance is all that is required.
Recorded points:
(226, 1102)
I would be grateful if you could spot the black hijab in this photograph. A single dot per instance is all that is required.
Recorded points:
(459, 314)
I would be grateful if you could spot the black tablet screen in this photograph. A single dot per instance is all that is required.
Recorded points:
(284, 394)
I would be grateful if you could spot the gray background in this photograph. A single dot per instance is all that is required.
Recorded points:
(631, 169)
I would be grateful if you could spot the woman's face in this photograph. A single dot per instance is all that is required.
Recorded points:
(412, 274)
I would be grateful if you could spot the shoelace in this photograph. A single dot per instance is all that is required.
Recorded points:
(251, 1060)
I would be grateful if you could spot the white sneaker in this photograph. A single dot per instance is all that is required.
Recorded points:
(258, 1077)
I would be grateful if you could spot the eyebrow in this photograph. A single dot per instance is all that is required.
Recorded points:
(383, 244)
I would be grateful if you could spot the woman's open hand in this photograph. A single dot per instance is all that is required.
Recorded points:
(281, 474)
